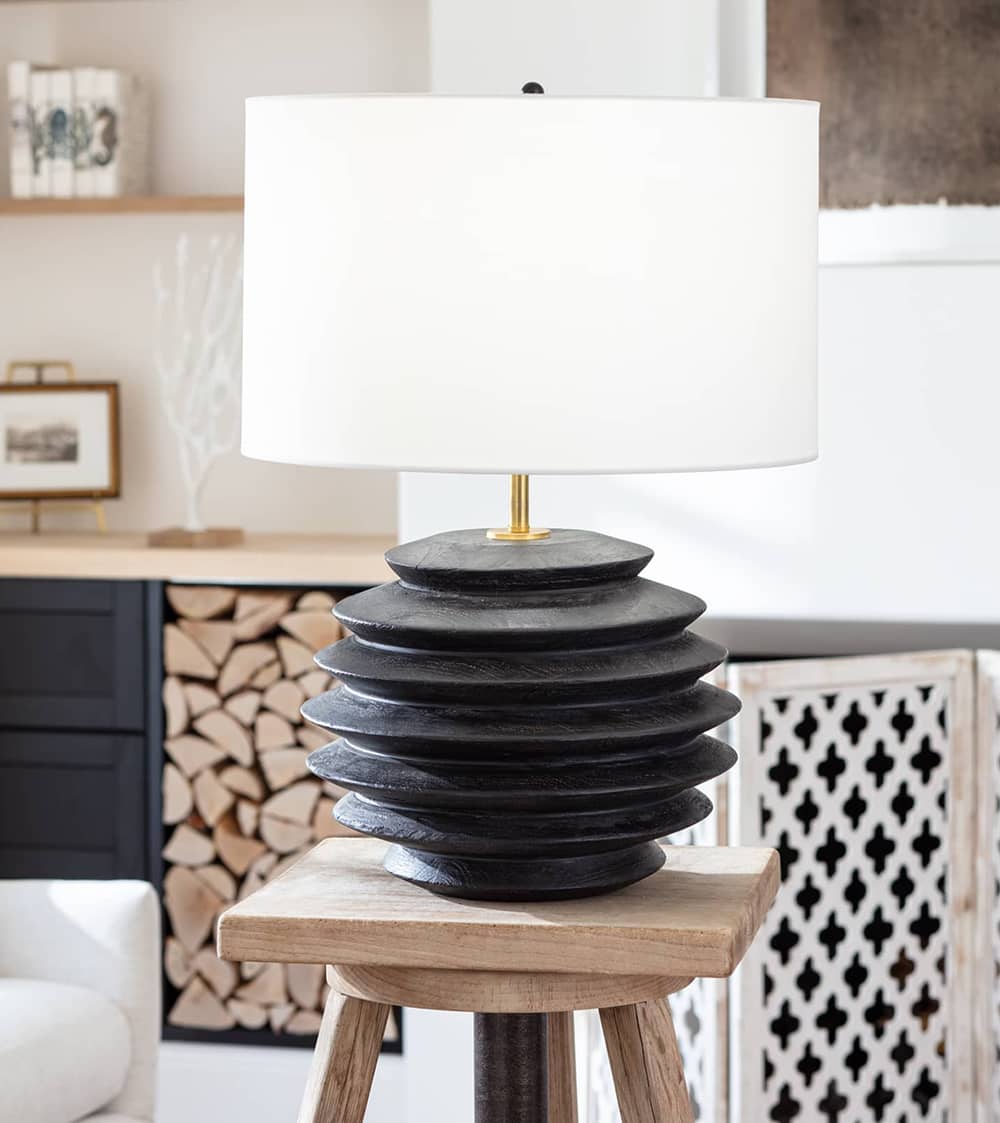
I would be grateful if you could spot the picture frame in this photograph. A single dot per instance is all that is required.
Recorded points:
(59, 441)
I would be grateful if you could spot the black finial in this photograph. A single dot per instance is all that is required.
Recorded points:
(532, 88)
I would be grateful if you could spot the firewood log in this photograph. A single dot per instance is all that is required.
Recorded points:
(200, 602)
(243, 662)
(177, 800)
(211, 797)
(244, 706)
(200, 698)
(281, 835)
(278, 1015)
(182, 656)
(219, 880)
(199, 1008)
(192, 754)
(220, 975)
(250, 1015)
(324, 825)
(312, 738)
(177, 963)
(316, 629)
(295, 803)
(191, 906)
(263, 618)
(250, 602)
(215, 636)
(242, 781)
(247, 816)
(271, 731)
(296, 658)
(175, 706)
(225, 731)
(316, 601)
(304, 983)
(268, 987)
(314, 682)
(235, 849)
(188, 847)
(266, 676)
(285, 698)
(283, 766)
(304, 1022)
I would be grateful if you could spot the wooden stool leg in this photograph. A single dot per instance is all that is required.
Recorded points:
(511, 1085)
(562, 1069)
(343, 1066)
(646, 1063)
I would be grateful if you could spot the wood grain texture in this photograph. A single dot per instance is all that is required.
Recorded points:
(694, 917)
(343, 1066)
(124, 204)
(263, 558)
(562, 1069)
(497, 992)
(646, 1064)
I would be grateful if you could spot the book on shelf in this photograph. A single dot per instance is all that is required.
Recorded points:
(59, 134)
(38, 113)
(120, 148)
(19, 128)
(84, 104)
(80, 132)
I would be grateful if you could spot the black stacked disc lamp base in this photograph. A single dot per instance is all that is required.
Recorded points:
(521, 720)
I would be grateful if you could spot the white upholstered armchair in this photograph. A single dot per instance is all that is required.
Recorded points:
(79, 1001)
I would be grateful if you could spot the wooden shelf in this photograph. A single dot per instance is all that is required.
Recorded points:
(126, 204)
(295, 559)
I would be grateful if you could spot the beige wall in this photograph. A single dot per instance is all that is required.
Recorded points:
(81, 288)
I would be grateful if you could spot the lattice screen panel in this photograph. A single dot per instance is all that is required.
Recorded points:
(854, 1004)
(987, 957)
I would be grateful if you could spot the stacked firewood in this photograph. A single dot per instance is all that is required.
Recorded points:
(239, 803)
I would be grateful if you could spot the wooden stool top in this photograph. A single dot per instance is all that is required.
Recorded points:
(695, 917)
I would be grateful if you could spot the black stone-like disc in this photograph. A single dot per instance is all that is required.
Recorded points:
(522, 720)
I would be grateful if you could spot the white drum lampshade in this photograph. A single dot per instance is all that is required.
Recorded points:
(530, 284)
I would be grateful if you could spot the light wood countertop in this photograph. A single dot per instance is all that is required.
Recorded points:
(263, 559)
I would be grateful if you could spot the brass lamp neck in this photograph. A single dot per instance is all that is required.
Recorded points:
(520, 528)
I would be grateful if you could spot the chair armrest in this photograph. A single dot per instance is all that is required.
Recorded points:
(99, 934)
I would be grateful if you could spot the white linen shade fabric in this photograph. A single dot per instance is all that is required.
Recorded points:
(530, 284)
(79, 1001)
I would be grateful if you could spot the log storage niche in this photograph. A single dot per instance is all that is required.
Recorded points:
(239, 805)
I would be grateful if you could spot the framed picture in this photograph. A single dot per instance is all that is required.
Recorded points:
(59, 441)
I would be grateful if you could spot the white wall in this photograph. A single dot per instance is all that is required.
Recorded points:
(647, 47)
(892, 522)
(81, 288)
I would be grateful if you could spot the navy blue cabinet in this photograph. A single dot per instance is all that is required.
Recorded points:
(78, 706)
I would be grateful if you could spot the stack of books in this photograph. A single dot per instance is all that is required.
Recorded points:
(76, 132)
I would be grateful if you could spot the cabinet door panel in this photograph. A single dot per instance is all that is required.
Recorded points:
(71, 804)
(72, 654)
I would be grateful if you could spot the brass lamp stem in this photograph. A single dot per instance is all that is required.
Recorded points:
(520, 528)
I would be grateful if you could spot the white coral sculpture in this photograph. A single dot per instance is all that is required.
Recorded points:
(197, 347)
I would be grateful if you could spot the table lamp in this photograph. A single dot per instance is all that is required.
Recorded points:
(525, 285)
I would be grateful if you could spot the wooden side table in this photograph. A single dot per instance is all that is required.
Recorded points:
(520, 968)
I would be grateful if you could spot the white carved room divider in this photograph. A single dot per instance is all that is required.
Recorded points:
(856, 1002)
(870, 994)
